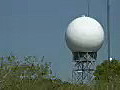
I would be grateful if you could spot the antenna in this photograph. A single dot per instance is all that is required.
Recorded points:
(108, 28)
(88, 7)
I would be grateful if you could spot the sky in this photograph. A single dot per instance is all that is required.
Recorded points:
(37, 28)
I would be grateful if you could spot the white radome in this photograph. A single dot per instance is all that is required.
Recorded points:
(84, 34)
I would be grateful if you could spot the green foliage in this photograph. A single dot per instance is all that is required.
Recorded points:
(108, 71)
(107, 75)
(33, 73)
(20, 76)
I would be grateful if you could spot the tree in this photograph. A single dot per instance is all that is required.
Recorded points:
(17, 75)
(108, 71)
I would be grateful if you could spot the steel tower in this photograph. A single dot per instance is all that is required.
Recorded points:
(84, 66)
(84, 63)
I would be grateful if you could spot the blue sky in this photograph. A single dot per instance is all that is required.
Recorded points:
(37, 27)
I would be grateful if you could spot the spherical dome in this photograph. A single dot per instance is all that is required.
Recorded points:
(84, 34)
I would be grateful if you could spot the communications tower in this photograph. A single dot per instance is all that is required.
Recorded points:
(84, 37)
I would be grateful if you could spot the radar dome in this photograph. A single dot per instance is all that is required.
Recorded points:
(84, 34)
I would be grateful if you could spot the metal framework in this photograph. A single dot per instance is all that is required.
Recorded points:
(84, 66)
